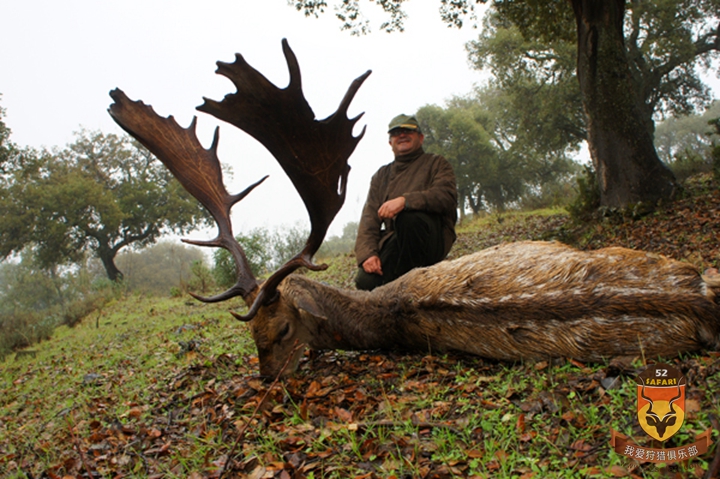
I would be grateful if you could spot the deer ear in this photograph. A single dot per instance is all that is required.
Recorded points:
(305, 303)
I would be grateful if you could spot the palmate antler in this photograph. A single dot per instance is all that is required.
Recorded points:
(312, 153)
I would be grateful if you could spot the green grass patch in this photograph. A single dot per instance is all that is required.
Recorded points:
(150, 388)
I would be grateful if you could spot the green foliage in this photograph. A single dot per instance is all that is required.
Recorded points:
(160, 267)
(685, 143)
(268, 250)
(587, 201)
(34, 301)
(688, 164)
(458, 132)
(667, 43)
(338, 245)
(533, 78)
(715, 153)
(202, 277)
(22, 329)
(454, 13)
(545, 20)
(265, 252)
(349, 13)
(556, 193)
(530, 47)
(286, 242)
(496, 164)
(255, 244)
(6, 147)
(100, 194)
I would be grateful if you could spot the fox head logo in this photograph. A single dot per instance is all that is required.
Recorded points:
(661, 401)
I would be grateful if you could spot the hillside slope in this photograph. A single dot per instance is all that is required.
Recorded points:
(688, 229)
(166, 388)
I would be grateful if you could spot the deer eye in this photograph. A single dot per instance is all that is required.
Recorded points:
(284, 331)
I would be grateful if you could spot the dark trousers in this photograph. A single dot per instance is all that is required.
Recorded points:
(417, 241)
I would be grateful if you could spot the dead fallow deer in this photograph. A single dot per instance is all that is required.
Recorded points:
(526, 300)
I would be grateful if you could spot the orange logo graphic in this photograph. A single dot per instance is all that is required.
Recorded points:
(661, 401)
(661, 413)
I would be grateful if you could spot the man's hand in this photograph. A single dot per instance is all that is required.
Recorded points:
(372, 265)
(391, 208)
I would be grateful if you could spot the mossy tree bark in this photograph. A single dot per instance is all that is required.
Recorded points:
(620, 137)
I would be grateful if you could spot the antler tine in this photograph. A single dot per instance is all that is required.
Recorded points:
(312, 153)
(243, 287)
(198, 171)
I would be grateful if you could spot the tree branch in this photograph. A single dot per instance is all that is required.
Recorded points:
(708, 42)
(130, 239)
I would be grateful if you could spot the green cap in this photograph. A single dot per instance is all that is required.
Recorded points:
(404, 121)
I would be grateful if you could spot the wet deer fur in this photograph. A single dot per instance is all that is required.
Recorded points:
(525, 300)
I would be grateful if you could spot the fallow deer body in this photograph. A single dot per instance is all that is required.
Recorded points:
(527, 300)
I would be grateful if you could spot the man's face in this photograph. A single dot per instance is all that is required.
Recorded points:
(404, 141)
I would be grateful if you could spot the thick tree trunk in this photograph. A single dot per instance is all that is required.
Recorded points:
(107, 256)
(461, 204)
(628, 168)
(474, 204)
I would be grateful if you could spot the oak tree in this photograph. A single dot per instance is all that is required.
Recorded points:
(623, 78)
(101, 194)
(634, 60)
(495, 162)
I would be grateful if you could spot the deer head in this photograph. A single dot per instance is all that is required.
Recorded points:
(667, 420)
(312, 153)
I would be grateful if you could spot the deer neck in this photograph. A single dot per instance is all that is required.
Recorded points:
(358, 320)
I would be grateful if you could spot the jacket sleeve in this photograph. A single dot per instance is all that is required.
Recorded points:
(441, 194)
(367, 243)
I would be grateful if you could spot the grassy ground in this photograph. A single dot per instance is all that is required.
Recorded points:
(166, 388)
